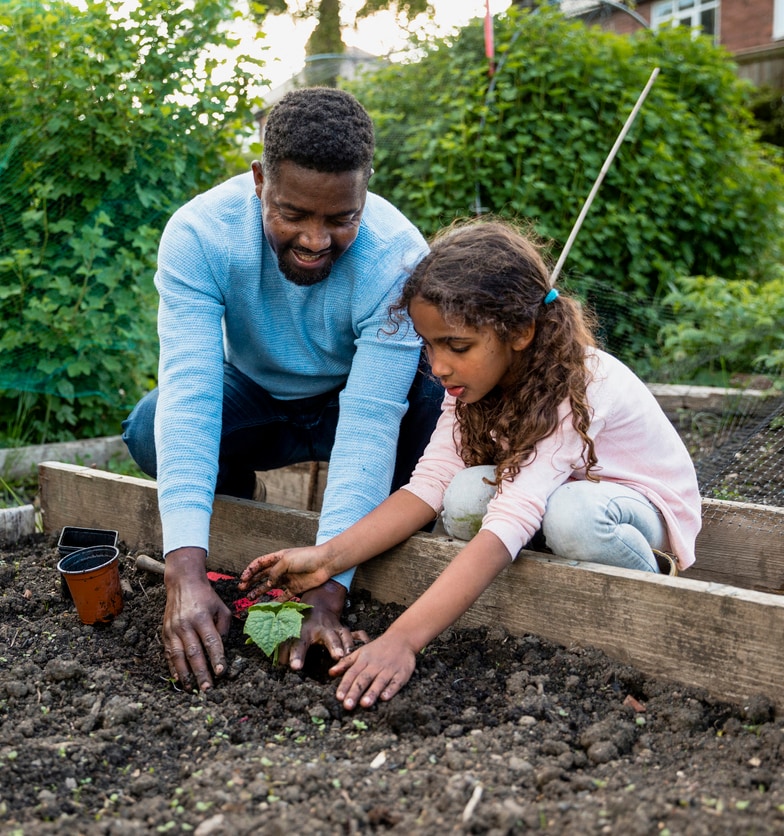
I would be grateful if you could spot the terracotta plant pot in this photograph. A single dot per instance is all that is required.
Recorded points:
(73, 538)
(93, 579)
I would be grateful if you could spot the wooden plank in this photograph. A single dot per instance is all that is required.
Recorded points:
(21, 462)
(296, 486)
(741, 545)
(709, 635)
(675, 398)
(16, 523)
(241, 529)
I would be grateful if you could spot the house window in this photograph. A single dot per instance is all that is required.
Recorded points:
(778, 19)
(700, 15)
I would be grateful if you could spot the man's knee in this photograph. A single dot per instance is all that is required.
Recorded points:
(139, 433)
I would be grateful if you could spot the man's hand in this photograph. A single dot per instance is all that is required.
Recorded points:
(194, 621)
(376, 671)
(293, 570)
(322, 626)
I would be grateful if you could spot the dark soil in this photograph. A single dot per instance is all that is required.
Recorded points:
(494, 734)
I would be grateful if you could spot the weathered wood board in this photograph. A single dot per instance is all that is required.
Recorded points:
(21, 462)
(675, 398)
(16, 523)
(296, 486)
(698, 632)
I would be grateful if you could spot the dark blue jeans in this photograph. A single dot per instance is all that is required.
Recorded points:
(262, 433)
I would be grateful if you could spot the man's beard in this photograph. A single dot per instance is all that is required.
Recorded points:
(300, 278)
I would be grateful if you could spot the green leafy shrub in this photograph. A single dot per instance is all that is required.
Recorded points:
(108, 121)
(691, 191)
(725, 327)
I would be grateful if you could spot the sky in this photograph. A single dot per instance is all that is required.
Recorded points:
(379, 35)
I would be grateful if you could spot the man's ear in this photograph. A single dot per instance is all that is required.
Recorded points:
(258, 176)
(524, 338)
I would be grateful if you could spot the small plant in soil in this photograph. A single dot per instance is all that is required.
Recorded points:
(271, 623)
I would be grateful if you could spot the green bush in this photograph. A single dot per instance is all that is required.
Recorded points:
(108, 121)
(691, 191)
(725, 328)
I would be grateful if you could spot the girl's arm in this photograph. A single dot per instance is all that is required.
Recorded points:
(380, 669)
(296, 570)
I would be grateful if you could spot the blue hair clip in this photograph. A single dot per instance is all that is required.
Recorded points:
(551, 296)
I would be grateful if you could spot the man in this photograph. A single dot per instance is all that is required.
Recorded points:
(274, 290)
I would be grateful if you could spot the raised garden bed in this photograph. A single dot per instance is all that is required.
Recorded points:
(568, 700)
(498, 731)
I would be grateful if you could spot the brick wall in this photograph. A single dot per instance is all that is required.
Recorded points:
(746, 23)
(743, 24)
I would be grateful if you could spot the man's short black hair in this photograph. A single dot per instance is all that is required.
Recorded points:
(320, 128)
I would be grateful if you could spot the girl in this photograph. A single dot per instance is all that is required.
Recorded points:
(575, 443)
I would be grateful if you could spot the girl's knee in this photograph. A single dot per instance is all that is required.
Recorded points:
(465, 501)
(575, 523)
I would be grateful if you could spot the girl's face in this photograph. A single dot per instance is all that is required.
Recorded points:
(469, 362)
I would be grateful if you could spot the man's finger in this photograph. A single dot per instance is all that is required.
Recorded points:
(197, 662)
(339, 642)
(178, 667)
(214, 647)
(293, 654)
(360, 637)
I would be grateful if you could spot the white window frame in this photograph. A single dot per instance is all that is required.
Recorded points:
(778, 19)
(689, 12)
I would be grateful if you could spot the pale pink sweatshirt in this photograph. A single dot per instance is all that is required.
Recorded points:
(635, 444)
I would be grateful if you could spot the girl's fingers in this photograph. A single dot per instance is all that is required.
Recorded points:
(374, 671)
(364, 690)
(260, 566)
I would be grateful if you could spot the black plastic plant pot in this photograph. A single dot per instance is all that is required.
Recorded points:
(73, 538)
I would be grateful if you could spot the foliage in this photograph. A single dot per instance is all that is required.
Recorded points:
(726, 326)
(690, 192)
(271, 623)
(109, 119)
(327, 37)
(768, 108)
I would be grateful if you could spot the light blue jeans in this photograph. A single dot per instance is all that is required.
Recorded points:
(599, 522)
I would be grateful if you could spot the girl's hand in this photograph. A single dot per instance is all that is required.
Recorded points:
(292, 570)
(375, 671)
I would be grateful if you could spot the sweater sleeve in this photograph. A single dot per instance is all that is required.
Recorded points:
(372, 405)
(190, 381)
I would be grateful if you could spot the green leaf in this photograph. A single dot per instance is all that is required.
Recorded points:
(271, 623)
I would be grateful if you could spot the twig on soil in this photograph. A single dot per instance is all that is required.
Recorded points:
(379, 760)
(476, 795)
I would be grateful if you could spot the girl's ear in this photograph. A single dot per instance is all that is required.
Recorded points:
(524, 338)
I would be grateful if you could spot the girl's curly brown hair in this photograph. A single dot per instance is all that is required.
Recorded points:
(489, 272)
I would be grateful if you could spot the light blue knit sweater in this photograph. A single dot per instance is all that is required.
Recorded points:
(221, 294)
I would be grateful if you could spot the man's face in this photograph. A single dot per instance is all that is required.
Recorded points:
(310, 217)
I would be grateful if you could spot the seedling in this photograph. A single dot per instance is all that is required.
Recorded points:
(273, 622)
